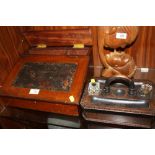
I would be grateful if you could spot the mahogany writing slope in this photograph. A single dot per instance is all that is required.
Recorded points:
(47, 78)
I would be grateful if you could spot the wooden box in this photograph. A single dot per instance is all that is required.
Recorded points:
(50, 75)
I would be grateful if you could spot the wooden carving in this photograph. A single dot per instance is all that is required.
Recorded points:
(117, 63)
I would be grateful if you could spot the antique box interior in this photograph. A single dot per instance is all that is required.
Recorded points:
(57, 78)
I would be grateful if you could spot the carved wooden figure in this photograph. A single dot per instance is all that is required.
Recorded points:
(117, 62)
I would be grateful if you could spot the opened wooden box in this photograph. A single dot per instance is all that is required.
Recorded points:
(50, 75)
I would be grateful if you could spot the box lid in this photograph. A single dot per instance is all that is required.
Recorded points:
(59, 37)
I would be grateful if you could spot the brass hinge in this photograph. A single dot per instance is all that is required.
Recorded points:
(41, 46)
(78, 46)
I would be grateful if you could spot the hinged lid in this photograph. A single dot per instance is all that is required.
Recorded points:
(73, 38)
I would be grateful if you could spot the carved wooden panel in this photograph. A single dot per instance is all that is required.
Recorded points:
(142, 49)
